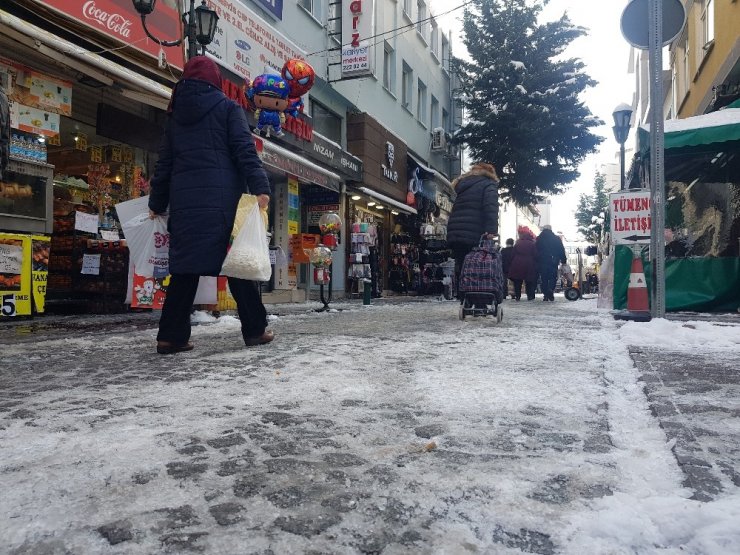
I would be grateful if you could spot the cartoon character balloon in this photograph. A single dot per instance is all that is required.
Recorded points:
(269, 94)
(300, 77)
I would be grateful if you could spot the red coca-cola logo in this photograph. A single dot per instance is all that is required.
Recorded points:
(114, 22)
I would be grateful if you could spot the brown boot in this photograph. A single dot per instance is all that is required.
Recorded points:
(266, 337)
(167, 348)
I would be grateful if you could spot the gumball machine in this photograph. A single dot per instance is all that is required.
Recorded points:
(330, 224)
(320, 258)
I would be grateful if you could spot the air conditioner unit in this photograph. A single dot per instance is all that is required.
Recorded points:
(439, 140)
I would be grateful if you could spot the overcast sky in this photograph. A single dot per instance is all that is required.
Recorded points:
(605, 54)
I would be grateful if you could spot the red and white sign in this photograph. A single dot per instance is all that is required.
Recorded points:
(246, 44)
(630, 216)
(357, 32)
(118, 19)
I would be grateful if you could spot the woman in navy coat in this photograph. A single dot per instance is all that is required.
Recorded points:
(207, 159)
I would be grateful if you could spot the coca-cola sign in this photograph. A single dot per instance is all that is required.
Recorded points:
(118, 19)
(114, 22)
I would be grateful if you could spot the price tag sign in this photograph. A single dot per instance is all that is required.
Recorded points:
(109, 235)
(96, 154)
(86, 222)
(11, 258)
(91, 264)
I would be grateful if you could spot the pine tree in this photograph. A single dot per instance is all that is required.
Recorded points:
(521, 98)
(592, 212)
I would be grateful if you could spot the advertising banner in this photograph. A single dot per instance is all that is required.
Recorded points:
(357, 42)
(246, 44)
(40, 270)
(119, 20)
(15, 275)
(630, 216)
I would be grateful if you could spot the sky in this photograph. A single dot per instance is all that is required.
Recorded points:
(90, 445)
(605, 54)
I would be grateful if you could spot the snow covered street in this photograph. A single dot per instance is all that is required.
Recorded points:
(393, 428)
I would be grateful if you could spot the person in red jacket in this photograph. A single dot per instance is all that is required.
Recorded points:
(523, 266)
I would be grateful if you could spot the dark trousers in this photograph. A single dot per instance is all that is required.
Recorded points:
(459, 253)
(174, 324)
(531, 287)
(549, 277)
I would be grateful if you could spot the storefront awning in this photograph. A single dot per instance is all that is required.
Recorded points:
(388, 200)
(144, 89)
(283, 159)
(716, 127)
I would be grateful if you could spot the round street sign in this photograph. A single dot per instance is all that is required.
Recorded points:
(634, 22)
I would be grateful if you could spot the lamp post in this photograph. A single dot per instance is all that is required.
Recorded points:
(199, 25)
(622, 115)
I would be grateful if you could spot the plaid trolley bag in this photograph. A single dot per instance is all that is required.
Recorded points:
(482, 272)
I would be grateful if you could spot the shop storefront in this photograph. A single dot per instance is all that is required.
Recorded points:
(85, 132)
(377, 209)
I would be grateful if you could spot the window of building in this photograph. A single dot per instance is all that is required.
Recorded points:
(389, 67)
(334, 22)
(445, 120)
(707, 22)
(434, 116)
(406, 86)
(674, 92)
(407, 8)
(445, 53)
(421, 102)
(312, 6)
(326, 122)
(421, 15)
(685, 78)
(434, 39)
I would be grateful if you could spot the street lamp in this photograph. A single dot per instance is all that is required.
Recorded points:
(622, 115)
(199, 25)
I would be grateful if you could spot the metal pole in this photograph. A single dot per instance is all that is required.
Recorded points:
(657, 170)
(621, 166)
(190, 32)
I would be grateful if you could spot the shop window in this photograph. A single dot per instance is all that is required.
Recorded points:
(707, 22)
(326, 122)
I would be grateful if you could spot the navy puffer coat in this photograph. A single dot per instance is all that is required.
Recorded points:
(475, 211)
(207, 159)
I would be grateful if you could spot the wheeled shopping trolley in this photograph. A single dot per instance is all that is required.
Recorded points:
(481, 286)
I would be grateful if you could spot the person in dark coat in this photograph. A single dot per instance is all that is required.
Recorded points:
(523, 266)
(550, 254)
(474, 212)
(507, 254)
(207, 159)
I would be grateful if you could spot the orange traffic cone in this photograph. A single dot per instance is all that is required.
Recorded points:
(637, 291)
(638, 303)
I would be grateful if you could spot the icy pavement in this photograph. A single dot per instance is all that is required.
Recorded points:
(387, 429)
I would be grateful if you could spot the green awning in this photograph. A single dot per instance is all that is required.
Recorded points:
(715, 127)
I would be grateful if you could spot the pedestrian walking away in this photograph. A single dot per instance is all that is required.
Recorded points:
(523, 266)
(507, 254)
(474, 212)
(207, 160)
(550, 254)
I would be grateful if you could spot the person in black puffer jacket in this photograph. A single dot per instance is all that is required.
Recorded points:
(474, 213)
(207, 159)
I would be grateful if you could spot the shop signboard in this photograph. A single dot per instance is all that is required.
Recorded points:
(15, 275)
(315, 212)
(119, 20)
(275, 7)
(332, 155)
(357, 32)
(246, 44)
(630, 216)
(292, 164)
(40, 270)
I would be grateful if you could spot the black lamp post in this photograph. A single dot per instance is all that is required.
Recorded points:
(199, 25)
(622, 115)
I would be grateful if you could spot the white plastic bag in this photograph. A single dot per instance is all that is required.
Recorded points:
(149, 244)
(249, 256)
